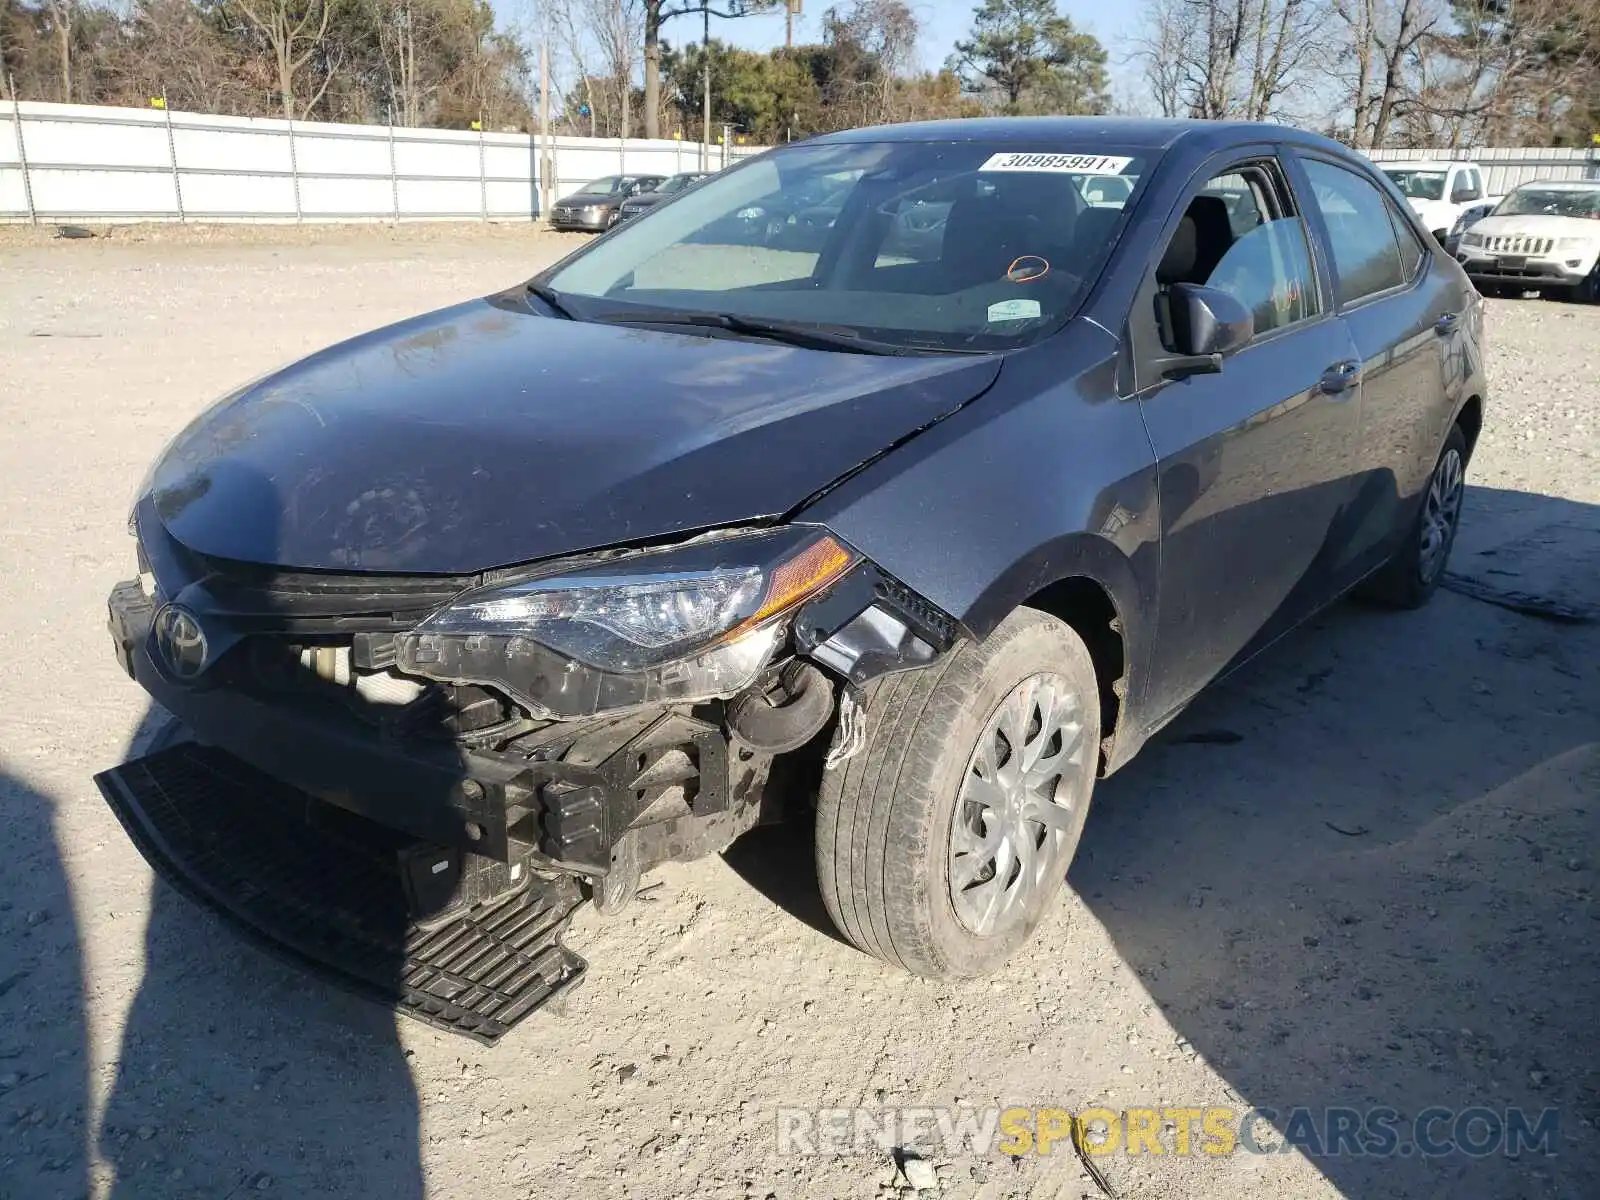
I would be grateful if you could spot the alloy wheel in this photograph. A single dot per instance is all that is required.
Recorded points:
(1017, 805)
(1441, 511)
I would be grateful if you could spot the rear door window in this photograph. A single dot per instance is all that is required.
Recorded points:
(1412, 250)
(1366, 252)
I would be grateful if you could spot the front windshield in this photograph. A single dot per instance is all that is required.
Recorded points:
(1537, 201)
(606, 186)
(927, 245)
(1418, 185)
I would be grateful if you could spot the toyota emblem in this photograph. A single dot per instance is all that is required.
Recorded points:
(181, 641)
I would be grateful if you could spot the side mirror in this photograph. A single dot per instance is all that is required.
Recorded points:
(1463, 192)
(1205, 324)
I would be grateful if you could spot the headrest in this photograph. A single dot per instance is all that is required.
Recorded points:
(1178, 261)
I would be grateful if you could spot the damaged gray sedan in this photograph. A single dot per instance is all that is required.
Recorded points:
(474, 619)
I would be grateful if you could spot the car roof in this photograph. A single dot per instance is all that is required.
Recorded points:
(1086, 133)
(1560, 185)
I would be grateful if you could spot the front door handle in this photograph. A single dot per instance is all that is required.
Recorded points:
(1341, 377)
(1446, 324)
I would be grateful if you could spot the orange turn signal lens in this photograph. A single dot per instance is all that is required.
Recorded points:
(821, 563)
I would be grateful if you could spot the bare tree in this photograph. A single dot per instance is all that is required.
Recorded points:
(401, 26)
(171, 50)
(62, 13)
(1385, 38)
(883, 32)
(1238, 59)
(294, 32)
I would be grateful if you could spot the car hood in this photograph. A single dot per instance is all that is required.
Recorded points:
(586, 199)
(1436, 214)
(485, 435)
(1539, 225)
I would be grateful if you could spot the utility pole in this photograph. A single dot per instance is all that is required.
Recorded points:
(705, 87)
(790, 7)
(544, 131)
(627, 76)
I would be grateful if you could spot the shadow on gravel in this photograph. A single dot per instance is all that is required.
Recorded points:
(1361, 874)
(43, 1038)
(779, 861)
(1378, 891)
(240, 1076)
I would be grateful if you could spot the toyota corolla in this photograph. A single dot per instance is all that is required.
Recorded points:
(476, 618)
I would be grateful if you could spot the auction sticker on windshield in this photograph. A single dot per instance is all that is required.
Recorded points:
(1098, 164)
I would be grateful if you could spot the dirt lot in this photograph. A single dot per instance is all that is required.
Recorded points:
(1363, 873)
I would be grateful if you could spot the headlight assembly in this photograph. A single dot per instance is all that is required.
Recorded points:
(1578, 245)
(1472, 239)
(673, 626)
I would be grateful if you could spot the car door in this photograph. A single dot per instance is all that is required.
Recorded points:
(1254, 461)
(1404, 312)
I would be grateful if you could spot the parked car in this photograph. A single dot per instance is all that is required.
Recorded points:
(793, 218)
(479, 616)
(1468, 217)
(593, 207)
(1106, 191)
(1543, 235)
(645, 201)
(1439, 192)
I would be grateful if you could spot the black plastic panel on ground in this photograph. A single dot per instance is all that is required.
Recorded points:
(321, 887)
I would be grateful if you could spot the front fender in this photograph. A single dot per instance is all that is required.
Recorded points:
(1048, 476)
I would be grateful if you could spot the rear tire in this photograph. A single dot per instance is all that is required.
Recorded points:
(913, 831)
(1411, 577)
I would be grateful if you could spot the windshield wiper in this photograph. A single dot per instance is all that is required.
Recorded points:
(808, 336)
(552, 299)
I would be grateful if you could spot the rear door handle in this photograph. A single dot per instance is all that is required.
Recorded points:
(1447, 324)
(1341, 377)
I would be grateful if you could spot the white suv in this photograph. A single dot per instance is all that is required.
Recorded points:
(1439, 192)
(1545, 234)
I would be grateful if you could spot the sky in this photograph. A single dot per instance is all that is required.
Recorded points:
(942, 21)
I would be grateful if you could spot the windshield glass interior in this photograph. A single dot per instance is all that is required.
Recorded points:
(605, 187)
(676, 183)
(1551, 202)
(921, 244)
(1418, 185)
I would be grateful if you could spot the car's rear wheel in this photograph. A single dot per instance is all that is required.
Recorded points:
(942, 843)
(1411, 577)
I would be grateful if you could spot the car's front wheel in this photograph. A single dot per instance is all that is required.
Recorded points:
(942, 843)
(1588, 292)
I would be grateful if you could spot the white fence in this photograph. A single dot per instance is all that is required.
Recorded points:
(75, 162)
(1506, 167)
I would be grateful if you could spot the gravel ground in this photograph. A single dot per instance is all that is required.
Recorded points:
(1361, 873)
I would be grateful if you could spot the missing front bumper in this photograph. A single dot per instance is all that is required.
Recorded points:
(329, 891)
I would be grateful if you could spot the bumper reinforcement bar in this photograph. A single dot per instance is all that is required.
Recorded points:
(323, 888)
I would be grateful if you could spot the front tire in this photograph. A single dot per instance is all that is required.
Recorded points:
(1588, 292)
(942, 843)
